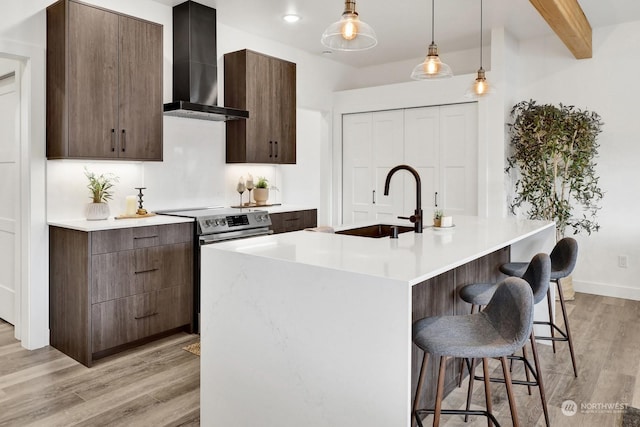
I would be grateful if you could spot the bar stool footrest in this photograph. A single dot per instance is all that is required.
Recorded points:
(424, 412)
(564, 336)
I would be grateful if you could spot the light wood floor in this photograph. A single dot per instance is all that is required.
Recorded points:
(154, 385)
(158, 384)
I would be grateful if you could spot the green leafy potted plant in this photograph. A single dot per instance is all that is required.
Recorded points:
(437, 217)
(261, 191)
(552, 160)
(100, 188)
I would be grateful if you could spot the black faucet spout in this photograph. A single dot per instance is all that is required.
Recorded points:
(417, 217)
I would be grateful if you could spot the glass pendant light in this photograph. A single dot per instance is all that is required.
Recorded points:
(432, 67)
(480, 87)
(349, 33)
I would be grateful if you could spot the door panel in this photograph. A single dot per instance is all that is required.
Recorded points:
(422, 151)
(140, 70)
(357, 194)
(459, 158)
(93, 82)
(9, 184)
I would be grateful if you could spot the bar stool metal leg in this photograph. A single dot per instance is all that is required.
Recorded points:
(472, 369)
(423, 372)
(550, 305)
(512, 401)
(439, 391)
(566, 328)
(538, 377)
(487, 390)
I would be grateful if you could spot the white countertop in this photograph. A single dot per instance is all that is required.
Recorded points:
(412, 257)
(112, 223)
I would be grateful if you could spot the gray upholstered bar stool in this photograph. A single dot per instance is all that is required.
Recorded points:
(563, 261)
(498, 331)
(537, 276)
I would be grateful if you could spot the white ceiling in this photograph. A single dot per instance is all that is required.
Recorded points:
(404, 32)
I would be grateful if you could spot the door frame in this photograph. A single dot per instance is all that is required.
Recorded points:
(32, 287)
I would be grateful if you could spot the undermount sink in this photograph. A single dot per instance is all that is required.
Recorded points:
(375, 231)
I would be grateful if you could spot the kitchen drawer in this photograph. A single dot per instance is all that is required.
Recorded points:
(122, 320)
(283, 222)
(125, 273)
(123, 239)
(174, 307)
(129, 319)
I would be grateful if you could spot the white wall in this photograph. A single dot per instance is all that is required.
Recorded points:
(607, 84)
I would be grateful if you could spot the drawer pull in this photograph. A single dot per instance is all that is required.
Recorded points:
(146, 315)
(146, 271)
(145, 237)
(293, 219)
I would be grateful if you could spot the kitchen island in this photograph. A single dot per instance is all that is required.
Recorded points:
(314, 329)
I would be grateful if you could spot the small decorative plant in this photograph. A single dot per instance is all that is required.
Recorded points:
(100, 186)
(437, 217)
(262, 182)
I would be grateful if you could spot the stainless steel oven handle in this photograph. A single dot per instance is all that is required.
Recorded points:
(225, 237)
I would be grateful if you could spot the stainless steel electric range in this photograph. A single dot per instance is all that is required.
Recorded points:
(217, 224)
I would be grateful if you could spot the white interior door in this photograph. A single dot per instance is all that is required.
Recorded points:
(459, 159)
(422, 151)
(388, 151)
(9, 194)
(357, 163)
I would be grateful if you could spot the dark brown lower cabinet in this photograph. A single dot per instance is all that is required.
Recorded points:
(284, 222)
(116, 288)
(438, 296)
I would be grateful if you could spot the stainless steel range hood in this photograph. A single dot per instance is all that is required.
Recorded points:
(195, 66)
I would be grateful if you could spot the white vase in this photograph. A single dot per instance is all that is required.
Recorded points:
(97, 211)
(260, 195)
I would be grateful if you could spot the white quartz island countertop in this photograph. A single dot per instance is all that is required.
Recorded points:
(314, 329)
(412, 257)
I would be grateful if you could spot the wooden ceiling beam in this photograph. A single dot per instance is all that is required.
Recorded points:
(568, 21)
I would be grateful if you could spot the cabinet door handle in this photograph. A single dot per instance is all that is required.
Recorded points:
(146, 271)
(124, 141)
(276, 143)
(113, 140)
(374, 197)
(146, 237)
(435, 199)
(146, 315)
(270, 148)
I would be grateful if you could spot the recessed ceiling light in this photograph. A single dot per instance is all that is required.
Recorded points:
(291, 17)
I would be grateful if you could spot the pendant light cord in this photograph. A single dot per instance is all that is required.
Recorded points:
(432, 20)
(481, 34)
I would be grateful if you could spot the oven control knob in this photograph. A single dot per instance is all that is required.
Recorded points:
(207, 223)
(222, 222)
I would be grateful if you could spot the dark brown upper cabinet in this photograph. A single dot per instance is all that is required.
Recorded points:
(104, 84)
(266, 86)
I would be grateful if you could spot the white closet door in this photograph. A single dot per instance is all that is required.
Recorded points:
(372, 143)
(9, 225)
(459, 159)
(357, 164)
(388, 151)
(422, 151)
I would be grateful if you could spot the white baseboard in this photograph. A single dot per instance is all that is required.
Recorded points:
(607, 290)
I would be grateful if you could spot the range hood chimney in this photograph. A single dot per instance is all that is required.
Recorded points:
(195, 66)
